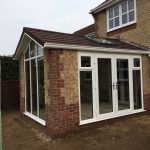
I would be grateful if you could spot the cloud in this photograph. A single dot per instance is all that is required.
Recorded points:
(60, 15)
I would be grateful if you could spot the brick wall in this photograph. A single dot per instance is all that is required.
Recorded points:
(146, 81)
(22, 84)
(138, 33)
(61, 91)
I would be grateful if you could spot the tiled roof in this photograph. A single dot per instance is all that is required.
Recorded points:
(85, 31)
(49, 37)
(44, 36)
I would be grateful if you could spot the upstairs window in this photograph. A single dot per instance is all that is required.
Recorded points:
(114, 17)
(121, 15)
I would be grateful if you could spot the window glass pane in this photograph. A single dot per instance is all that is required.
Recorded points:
(86, 96)
(41, 88)
(116, 11)
(124, 7)
(111, 24)
(27, 72)
(124, 19)
(27, 54)
(137, 89)
(123, 84)
(39, 50)
(131, 5)
(136, 62)
(32, 49)
(116, 21)
(111, 13)
(105, 85)
(85, 61)
(131, 16)
(34, 86)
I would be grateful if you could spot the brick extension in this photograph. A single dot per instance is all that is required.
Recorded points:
(62, 114)
(61, 72)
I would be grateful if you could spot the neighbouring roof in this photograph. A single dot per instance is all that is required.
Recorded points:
(106, 4)
(71, 41)
(86, 31)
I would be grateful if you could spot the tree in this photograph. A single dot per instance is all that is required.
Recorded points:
(9, 68)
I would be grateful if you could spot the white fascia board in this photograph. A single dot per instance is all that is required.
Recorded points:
(104, 6)
(22, 40)
(33, 40)
(94, 49)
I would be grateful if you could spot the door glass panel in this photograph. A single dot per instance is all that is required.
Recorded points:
(34, 86)
(123, 84)
(28, 102)
(105, 85)
(41, 88)
(86, 96)
(137, 89)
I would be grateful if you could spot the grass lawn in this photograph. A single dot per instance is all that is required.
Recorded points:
(21, 133)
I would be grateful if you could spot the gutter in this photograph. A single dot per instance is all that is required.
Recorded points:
(104, 6)
(94, 49)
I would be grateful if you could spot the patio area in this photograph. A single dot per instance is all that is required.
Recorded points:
(21, 133)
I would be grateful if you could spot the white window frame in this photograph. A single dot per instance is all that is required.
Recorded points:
(31, 115)
(114, 114)
(141, 73)
(120, 16)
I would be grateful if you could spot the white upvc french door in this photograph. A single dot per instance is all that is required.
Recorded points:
(110, 86)
(114, 84)
(104, 82)
(123, 84)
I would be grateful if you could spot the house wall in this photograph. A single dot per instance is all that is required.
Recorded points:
(137, 33)
(146, 81)
(61, 91)
(22, 84)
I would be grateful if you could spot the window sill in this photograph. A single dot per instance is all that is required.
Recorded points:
(41, 121)
(122, 26)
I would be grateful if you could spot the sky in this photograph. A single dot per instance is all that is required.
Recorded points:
(55, 15)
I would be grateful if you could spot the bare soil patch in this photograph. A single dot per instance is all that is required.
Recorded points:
(21, 133)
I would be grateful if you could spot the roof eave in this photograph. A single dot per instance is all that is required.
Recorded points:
(96, 49)
(24, 37)
(104, 6)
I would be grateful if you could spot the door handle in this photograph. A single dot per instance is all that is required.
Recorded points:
(117, 85)
(113, 86)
